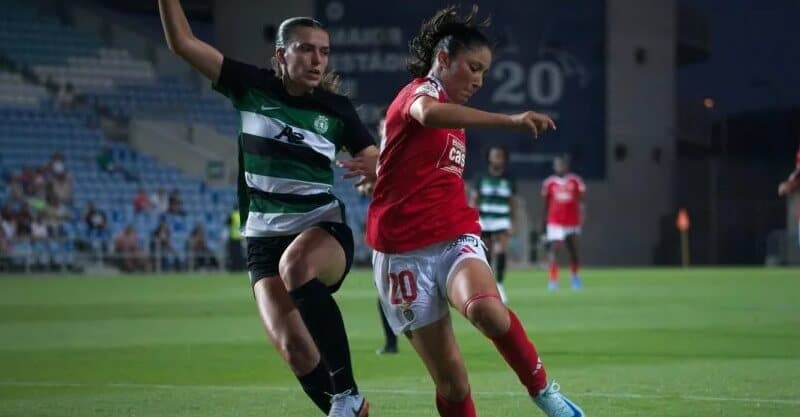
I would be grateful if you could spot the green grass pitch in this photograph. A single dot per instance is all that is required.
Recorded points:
(644, 342)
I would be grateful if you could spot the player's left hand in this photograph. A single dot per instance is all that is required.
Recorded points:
(360, 166)
(783, 188)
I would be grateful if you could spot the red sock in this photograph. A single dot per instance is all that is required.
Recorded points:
(448, 408)
(553, 271)
(521, 355)
(574, 267)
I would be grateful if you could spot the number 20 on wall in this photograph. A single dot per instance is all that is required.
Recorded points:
(402, 287)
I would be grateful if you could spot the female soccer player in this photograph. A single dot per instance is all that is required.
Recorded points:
(299, 248)
(495, 198)
(426, 237)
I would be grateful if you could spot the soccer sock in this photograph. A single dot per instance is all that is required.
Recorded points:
(317, 385)
(391, 339)
(521, 355)
(501, 267)
(553, 271)
(324, 321)
(574, 267)
(448, 408)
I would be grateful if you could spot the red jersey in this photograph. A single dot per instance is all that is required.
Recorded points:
(563, 196)
(419, 198)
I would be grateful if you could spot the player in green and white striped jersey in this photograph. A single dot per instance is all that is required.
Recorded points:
(494, 195)
(299, 248)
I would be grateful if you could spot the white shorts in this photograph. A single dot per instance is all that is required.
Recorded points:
(412, 286)
(557, 233)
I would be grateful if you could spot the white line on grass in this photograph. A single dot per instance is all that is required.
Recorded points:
(410, 392)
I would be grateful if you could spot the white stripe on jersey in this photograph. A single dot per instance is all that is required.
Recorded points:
(495, 225)
(281, 224)
(269, 128)
(494, 208)
(284, 186)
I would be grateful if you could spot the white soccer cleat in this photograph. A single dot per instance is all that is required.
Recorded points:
(555, 404)
(347, 404)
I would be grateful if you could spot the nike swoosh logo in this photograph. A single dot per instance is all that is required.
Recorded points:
(267, 108)
(336, 371)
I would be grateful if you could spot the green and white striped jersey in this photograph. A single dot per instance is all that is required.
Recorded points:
(286, 148)
(494, 202)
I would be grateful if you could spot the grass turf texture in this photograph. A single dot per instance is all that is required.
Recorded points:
(654, 342)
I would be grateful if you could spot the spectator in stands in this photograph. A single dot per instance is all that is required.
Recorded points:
(96, 221)
(16, 197)
(61, 182)
(175, 204)
(161, 247)
(38, 192)
(131, 256)
(66, 96)
(198, 249)
(160, 201)
(107, 164)
(8, 225)
(5, 250)
(55, 214)
(25, 178)
(141, 203)
(39, 230)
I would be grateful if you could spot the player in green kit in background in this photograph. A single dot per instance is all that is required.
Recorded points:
(494, 195)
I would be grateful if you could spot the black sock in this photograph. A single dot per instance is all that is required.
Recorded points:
(391, 339)
(318, 386)
(324, 321)
(501, 267)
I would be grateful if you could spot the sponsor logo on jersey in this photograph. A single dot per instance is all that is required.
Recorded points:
(429, 89)
(291, 135)
(454, 156)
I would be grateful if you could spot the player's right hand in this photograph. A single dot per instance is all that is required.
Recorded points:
(533, 122)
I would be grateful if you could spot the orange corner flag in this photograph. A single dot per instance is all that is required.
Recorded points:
(683, 220)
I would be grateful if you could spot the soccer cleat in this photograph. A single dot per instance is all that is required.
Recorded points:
(576, 283)
(552, 285)
(346, 404)
(387, 350)
(555, 404)
(502, 292)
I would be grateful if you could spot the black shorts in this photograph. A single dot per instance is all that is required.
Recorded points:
(264, 253)
(489, 235)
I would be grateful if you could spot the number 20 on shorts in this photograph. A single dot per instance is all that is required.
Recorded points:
(402, 287)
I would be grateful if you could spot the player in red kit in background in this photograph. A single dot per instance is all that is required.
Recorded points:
(428, 251)
(792, 184)
(564, 213)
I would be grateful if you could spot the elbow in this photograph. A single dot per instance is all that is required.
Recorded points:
(177, 46)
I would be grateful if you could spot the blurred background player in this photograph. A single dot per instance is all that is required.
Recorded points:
(564, 213)
(791, 185)
(495, 198)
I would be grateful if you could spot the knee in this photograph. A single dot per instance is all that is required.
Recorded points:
(293, 269)
(489, 315)
(453, 387)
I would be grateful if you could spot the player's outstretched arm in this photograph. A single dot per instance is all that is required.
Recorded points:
(364, 165)
(181, 41)
(431, 113)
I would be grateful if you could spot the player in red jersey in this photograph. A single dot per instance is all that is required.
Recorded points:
(792, 184)
(428, 250)
(563, 214)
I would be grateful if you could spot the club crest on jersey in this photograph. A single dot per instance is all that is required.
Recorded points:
(321, 124)
(454, 157)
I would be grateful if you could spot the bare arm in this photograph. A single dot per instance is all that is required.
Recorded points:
(182, 42)
(545, 210)
(363, 164)
(431, 113)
